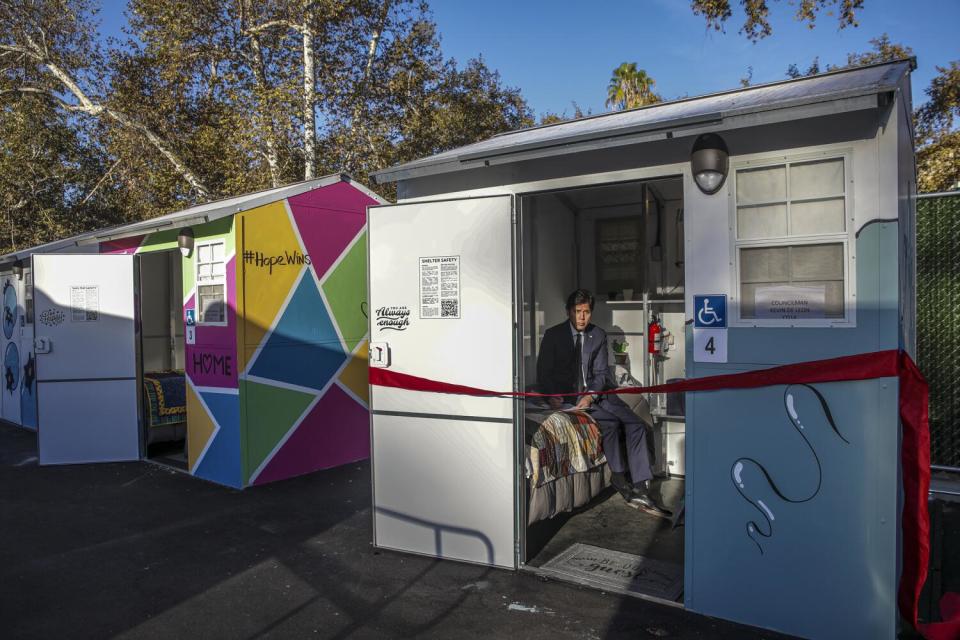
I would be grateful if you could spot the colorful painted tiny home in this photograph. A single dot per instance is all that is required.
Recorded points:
(237, 341)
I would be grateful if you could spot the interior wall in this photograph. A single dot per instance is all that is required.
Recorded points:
(664, 278)
(177, 324)
(160, 306)
(554, 273)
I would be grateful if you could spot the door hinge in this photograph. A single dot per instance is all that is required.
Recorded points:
(513, 217)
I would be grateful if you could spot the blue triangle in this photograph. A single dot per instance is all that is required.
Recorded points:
(304, 348)
(222, 461)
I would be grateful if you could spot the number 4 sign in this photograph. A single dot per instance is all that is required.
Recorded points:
(709, 345)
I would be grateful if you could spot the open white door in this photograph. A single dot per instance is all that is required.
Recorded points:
(441, 307)
(86, 358)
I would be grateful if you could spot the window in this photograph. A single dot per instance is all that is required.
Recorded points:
(619, 251)
(792, 241)
(211, 284)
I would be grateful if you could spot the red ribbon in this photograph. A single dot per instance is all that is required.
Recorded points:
(914, 450)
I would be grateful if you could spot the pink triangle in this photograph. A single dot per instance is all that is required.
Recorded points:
(122, 245)
(335, 432)
(328, 219)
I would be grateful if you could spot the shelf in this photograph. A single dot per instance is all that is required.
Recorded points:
(667, 418)
(638, 303)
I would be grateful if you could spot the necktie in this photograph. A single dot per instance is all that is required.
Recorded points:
(578, 360)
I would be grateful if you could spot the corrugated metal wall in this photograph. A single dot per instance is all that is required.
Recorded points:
(938, 319)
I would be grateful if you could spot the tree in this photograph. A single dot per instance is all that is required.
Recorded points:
(50, 48)
(938, 138)
(630, 87)
(220, 97)
(45, 164)
(756, 25)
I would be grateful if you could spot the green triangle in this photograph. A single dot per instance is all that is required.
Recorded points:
(269, 412)
(346, 291)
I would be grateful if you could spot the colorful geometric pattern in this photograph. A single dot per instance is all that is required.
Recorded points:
(335, 431)
(222, 461)
(303, 349)
(304, 388)
(281, 390)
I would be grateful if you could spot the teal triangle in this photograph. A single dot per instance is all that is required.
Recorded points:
(303, 348)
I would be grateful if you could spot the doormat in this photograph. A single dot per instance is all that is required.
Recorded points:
(617, 572)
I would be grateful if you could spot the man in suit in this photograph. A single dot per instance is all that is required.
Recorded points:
(573, 358)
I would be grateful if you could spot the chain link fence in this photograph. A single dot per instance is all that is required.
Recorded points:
(938, 319)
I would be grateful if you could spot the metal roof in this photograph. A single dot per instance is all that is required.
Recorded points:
(198, 214)
(666, 116)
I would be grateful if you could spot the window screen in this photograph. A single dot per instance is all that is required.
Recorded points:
(777, 206)
(798, 199)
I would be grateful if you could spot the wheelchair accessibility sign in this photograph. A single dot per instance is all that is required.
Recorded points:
(710, 328)
(710, 311)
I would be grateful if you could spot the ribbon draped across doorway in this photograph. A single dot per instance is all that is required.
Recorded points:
(914, 450)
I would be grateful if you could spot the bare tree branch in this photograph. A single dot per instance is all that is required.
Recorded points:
(99, 182)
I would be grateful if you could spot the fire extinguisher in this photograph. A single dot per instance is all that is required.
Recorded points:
(654, 331)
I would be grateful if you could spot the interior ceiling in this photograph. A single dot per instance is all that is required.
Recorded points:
(627, 193)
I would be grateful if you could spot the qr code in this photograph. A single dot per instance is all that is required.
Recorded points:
(449, 309)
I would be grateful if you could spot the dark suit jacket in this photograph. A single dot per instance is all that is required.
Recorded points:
(556, 368)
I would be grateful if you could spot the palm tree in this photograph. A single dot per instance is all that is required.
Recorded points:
(630, 87)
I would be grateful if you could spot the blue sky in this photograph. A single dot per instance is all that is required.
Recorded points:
(563, 51)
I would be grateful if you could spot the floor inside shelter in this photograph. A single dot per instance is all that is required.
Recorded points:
(609, 523)
(173, 454)
(175, 556)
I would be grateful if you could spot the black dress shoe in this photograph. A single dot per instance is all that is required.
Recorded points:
(642, 501)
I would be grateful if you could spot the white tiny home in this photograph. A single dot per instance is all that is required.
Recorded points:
(803, 251)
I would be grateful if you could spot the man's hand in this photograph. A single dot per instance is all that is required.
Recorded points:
(555, 403)
(584, 402)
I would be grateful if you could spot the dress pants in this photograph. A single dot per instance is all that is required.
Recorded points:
(613, 415)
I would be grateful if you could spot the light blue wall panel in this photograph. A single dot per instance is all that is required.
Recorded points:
(819, 558)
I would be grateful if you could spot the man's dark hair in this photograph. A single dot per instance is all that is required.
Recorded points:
(579, 296)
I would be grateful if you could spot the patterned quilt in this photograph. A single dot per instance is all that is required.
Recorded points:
(566, 442)
(165, 395)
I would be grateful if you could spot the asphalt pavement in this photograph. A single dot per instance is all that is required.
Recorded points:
(135, 550)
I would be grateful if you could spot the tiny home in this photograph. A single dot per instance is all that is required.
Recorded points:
(228, 340)
(765, 226)
(18, 400)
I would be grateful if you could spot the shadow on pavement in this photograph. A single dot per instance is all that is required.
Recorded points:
(135, 550)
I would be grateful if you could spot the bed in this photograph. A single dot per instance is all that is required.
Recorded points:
(564, 463)
(165, 406)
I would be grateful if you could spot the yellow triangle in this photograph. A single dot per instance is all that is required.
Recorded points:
(354, 376)
(200, 428)
(268, 264)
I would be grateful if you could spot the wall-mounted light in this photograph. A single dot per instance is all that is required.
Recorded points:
(185, 242)
(709, 162)
(18, 270)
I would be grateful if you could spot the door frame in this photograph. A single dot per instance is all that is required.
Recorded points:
(572, 183)
(138, 321)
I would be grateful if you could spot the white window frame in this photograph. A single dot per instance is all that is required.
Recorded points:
(847, 238)
(219, 280)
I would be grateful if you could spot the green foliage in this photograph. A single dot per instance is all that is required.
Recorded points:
(936, 136)
(218, 97)
(630, 87)
(756, 25)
